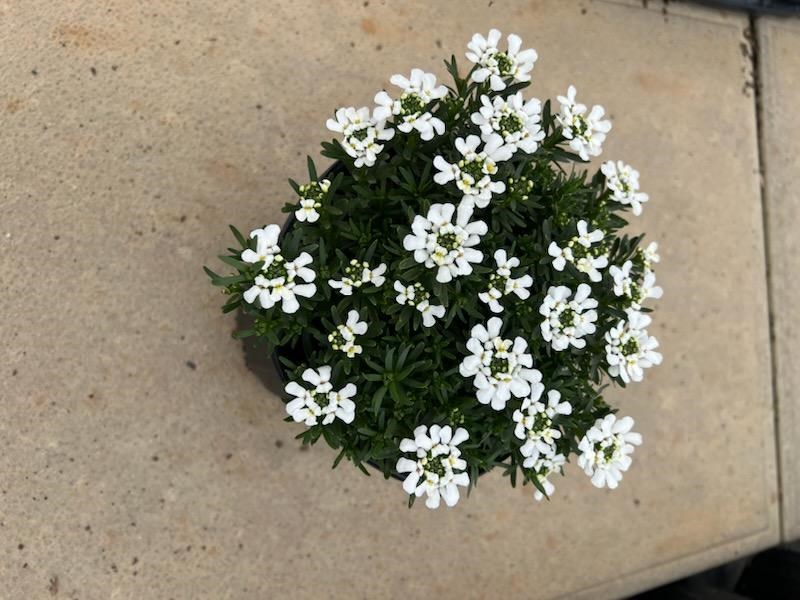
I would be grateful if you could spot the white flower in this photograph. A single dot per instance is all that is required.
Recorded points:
(585, 237)
(497, 66)
(629, 348)
(360, 134)
(418, 92)
(501, 283)
(586, 134)
(321, 400)
(578, 252)
(513, 119)
(543, 467)
(308, 210)
(647, 289)
(437, 468)
(311, 196)
(418, 297)
(374, 276)
(567, 321)
(444, 245)
(535, 422)
(590, 265)
(356, 274)
(628, 284)
(340, 404)
(649, 255)
(561, 256)
(278, 282)
(472, 173)
(606, 449)
(344, 338)
(430, 312)
(501, 367)
(623, 279)
(409, 294)
(266, 244)
(623, 181)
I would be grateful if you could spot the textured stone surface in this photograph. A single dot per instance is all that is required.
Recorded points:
(140, 458)
(779, 45)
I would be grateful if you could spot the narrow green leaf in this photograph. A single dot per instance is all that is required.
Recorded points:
(236, 264)
(377, 398)
(239, 237)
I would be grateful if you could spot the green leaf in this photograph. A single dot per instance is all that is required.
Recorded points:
(211, 274)
(375, 366)
(339, 458)
(377, 398)
(337, 181)
(402, 358)
(388, 359)
(236, 264)
(239, 237)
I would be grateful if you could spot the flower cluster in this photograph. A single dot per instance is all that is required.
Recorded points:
(579, 252)
(320, 400)
(361, 134)
(419, 91)
(457, 195)
(437, 469)
(344, 337)
(473, 172)
(586, 133)
(623, 182)
(497, 66)
(629, 349)
(606, 449)
(534, 421)
(635, 288)
(311, 196)
(541, 468)
(447, 246)
(502, 284)
(277, 279)
(515, 120)
(418, 297)
(356, 274)
(568, 318)
(500, 367)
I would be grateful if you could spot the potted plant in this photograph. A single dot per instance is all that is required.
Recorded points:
(450, 296)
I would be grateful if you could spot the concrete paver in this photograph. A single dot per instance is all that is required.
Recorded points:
(142, 459)
(779, 53)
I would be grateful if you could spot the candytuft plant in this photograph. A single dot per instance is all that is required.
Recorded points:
(450, 296)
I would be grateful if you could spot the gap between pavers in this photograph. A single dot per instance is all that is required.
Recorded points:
(779, 74)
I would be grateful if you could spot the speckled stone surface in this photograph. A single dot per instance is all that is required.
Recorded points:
(140, 458)
(780, 94)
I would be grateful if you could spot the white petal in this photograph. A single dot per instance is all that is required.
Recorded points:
(410, 483)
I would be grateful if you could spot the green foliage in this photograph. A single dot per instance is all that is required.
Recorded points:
(407, 374)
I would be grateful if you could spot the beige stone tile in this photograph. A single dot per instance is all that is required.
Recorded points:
(779, 54)
(139, 456)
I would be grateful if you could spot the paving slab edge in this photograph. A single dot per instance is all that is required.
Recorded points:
(777, 219)
(655, 576)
